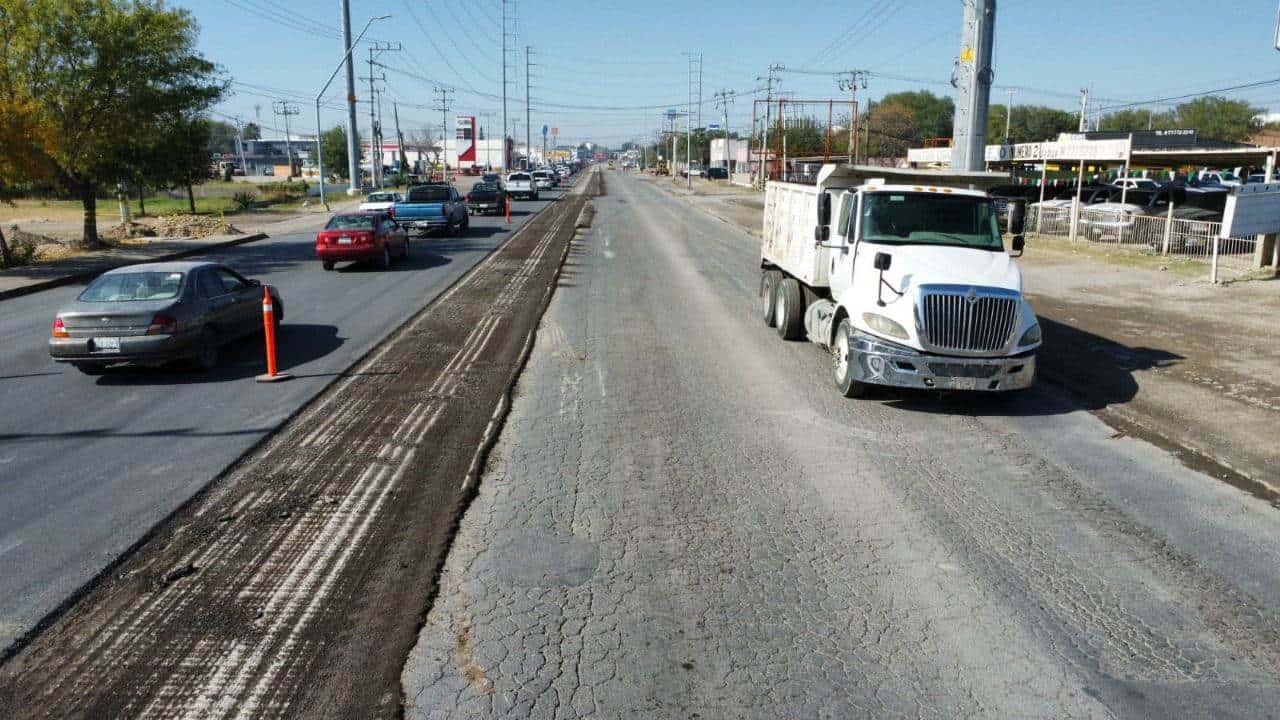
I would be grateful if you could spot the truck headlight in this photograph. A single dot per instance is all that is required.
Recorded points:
(884, 326)
(1031, 336)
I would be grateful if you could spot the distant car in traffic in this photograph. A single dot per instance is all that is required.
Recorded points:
(156, 313)
(717, 173)
(361, 237)
(542, 179)
(380, 201)
(521, 185)
(487, 198)
(433, 207)
(491, 178)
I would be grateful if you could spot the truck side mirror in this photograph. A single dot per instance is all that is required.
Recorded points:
(1018, 243)
(1017, 217)
(821, 234)
(824, 209)
(883, 261)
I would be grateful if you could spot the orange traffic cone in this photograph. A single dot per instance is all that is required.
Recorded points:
(269, 328)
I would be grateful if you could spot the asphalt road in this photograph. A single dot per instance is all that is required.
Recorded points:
(683, 519)
(89, 465)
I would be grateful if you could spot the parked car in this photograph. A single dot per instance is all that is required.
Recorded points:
(155, 313)
(380, 202)
(521, 185)
(361, 237)
(487, 198)
(1218, 177)
(1064, 196)
(1136, 183)
(717, 173)
(542, 179)
(433, 207)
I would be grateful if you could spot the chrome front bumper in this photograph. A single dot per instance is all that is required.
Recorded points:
(877, 362)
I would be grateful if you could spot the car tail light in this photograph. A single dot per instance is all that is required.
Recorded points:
(60, 329)
(365, 238)
(163, 324)
(392, 212)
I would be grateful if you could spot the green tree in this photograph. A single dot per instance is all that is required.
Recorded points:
(893, 130)
(1132, 119)
(185, 161)
(222, 137)
(19, 167)
(101, 72)
(252, 131)
(1219, 118)
(933, 115)
(333, 143)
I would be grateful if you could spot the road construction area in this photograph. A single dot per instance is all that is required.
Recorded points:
(683, 519)
(293, 586)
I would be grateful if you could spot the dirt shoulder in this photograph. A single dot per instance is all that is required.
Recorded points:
(1160, 354)
(295, 585)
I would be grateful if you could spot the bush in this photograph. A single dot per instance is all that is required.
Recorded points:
(244, 199)
(279, 192)
(22, 246)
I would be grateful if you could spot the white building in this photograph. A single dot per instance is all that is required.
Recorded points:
(737, 150)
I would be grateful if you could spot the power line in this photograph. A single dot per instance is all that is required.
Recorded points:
(1188, 96)
(449, 36)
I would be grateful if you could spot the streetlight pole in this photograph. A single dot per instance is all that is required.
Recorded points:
(352, 160)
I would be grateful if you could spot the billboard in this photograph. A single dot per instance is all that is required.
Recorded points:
(466, 136)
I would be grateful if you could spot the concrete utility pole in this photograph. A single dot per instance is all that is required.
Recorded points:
(352, 158)
(286, 108)
(488, 141)
(1084, 109)
(849, 81)
(506, 156)
(768, 110)
(1008, 115)
(867, 132)
(443, 107)
(723, 98)
(972, 78)
(528, 123)
(402, 160)
(375, 128)
(688, 141)
(244, 167)
(353, 153)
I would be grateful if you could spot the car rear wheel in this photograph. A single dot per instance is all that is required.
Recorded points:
(386, 258)
(90, 368)
(207, 350)
(466, 225)
(327, 265)
(404, 254)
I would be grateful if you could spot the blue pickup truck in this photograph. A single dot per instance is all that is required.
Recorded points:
(433, 207)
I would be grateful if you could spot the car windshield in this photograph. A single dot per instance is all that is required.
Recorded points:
(380, 198)
(428, 194)
(350, 222)
(911, 218)
(126, 287)
(517, 178)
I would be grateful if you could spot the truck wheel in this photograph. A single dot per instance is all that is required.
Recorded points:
(789, 310)
(768, 287)
(848, 387)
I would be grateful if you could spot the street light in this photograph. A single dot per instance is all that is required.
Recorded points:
(320, 153)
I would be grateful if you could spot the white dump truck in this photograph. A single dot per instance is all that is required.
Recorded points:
(903, 275)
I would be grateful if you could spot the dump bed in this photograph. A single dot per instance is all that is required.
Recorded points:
(790, 216)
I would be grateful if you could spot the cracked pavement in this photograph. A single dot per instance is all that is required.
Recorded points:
(682, 519)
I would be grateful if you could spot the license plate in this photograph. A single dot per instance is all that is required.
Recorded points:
(963, 383)
(344, 241)
(107, 344)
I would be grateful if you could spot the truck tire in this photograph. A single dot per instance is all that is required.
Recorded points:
(845, 383)
(768, 289)
(788, 309)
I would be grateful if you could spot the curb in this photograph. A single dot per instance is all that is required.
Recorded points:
(91, 274)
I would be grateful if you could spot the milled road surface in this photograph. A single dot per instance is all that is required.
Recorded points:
(88, 465)
(682, 519)
(294, 587)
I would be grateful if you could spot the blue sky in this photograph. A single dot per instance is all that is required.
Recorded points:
(604, 69)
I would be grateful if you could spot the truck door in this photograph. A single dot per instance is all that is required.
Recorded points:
(842, 242)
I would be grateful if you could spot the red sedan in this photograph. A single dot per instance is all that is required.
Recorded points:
(362, 237)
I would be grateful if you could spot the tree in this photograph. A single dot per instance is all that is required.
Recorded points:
(185, 161)
(252, 131)
(933, 115)
(222, 137)
(100, 73)
(19, 167)
(333, 144)
(1132, 120)
(893, 130)
(1219, 118)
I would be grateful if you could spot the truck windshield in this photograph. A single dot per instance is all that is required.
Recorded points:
(917, 218)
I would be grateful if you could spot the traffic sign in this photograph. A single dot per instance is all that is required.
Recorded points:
(714, 126)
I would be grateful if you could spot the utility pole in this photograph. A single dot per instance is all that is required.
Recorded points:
(352, 159)
(723, 98)
(768, 109)
(443, 107)
(403, 159)
(375, 129)
(867, 132)
(506, 156)
(353, 153)
(688, 144)
(849, 81)
(1008, 115)
(528, 123)
(972, 78)
(286, 108)
(485, 130)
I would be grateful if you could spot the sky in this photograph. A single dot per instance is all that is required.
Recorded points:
(605, 71)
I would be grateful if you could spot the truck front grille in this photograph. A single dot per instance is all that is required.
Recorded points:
(967, 319)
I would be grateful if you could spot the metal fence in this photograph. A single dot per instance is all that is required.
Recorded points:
(1149, 234)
